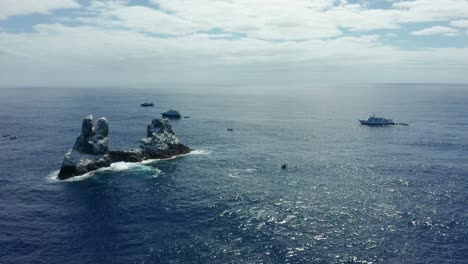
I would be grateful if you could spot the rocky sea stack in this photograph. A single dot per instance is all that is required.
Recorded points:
(91, 149)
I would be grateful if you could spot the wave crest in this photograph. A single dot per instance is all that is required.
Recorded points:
(114, 167)
(122, 166)
(200, 152)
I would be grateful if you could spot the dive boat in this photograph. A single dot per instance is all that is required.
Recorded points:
(377, 121)
(171, 114)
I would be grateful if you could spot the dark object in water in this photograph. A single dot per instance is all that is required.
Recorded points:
(284, 166)
(230, 129)
(377, 121)
(6, 135)
(13, 137)
(186, 116)
(145, 104)
(171, 114)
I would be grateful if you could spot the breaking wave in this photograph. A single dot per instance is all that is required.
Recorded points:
(123, 166)
(200, 152)
(237, 173)
(114, 167)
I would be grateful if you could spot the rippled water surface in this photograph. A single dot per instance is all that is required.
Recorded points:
(350, 194)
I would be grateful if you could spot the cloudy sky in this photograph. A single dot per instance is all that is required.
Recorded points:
(148, 42)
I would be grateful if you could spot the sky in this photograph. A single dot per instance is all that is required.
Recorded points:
(142, 43)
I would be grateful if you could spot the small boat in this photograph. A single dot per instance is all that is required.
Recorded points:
(146, 104)
(230, 129)
(377, 121)
(171, 114)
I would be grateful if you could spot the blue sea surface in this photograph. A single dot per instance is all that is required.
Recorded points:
(350, 194)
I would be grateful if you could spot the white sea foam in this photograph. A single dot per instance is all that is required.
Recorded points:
(150, 161)
(200, 152)
(287, 219)
(53, 177)
(236, 173)
(248, 170)
(193, 152)
(123, 166)
(118, 166)
(320, 237)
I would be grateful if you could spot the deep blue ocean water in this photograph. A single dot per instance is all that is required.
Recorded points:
(351, 194)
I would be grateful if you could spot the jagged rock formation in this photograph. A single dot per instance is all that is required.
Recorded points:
(160, 141)
(131, 155)
(88, 152)
(91, 149)
(93, 138)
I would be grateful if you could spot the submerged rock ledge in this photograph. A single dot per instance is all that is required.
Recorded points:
(91, 149)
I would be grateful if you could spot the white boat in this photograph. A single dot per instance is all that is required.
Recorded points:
(377, 121)
(171, 114)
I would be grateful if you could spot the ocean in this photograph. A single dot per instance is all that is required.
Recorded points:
(350, 193)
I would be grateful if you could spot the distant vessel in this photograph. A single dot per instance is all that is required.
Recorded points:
(146, 104)
(377, 121)
(171, 114)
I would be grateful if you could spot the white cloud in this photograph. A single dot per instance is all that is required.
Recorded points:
(90, 55)
(297, 40)
(418, 11)
(25, 7)
(141, 18)
(299, 19)
(460, 23)
(268, 19)
(309, 19)
(436, 30)
(303, 20)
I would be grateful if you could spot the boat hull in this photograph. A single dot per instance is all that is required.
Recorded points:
(171, 116)
(367, 123)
